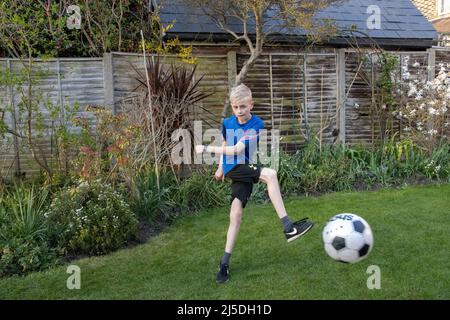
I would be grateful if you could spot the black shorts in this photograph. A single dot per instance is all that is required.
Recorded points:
(243, 176)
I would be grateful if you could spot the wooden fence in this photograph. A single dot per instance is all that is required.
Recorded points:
(297, 93)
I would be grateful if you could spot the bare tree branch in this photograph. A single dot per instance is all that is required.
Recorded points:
(265, 16)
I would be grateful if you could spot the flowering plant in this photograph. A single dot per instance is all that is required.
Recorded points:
(90, 218)
(425, 108)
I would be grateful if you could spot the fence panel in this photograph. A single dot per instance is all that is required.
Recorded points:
(321, 91)
(293, 92)
(56, 84)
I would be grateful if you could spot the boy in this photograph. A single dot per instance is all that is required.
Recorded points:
(240, 135)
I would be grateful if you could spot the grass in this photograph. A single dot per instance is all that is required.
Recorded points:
(411, 229)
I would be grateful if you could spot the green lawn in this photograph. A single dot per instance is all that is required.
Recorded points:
(411, 229)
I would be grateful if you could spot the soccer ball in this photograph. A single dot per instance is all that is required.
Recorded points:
(347, 238)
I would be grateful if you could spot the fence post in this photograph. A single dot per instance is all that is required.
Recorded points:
(431, 63)
(231, 68)
(14, 123)
(60, 97)
(271, 92)
(341, 94)
(108, 82)
(305, 93)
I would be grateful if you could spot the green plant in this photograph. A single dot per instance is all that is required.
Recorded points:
(259, 193)
(90, 218)
(23, 232)
(288, 173)
(24, 211)
(147, 200)
(438, 164)
(200, 191)
(40, 27)
(319, 169)
(22, 255)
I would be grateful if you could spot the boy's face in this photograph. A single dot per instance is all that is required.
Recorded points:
(241, 108)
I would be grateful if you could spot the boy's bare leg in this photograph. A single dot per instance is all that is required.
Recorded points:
(235, 223)
(269, 177)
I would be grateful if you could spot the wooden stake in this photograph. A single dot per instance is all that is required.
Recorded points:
(150, 105)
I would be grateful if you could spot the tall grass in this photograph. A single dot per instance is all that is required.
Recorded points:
(24, 210)
(318, 169)
(23, 231)
(201, 191)
(148, 201)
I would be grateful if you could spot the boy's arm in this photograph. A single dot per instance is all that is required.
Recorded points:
(224, 143)
(229, 151)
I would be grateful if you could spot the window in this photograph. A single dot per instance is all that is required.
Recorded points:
(443, 6)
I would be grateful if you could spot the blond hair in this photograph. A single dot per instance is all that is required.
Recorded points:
(240, 93)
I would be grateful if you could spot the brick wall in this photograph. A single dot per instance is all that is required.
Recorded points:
(427, 7)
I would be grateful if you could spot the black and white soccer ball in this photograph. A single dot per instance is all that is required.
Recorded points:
(347, 238)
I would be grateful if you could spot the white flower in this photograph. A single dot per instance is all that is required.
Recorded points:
(406, 76)
(356, 106)
(441, 76)
(416, 64)
(432, 132)
(432, 111)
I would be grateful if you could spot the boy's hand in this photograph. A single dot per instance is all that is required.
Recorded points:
(219, 174)
(199, 148)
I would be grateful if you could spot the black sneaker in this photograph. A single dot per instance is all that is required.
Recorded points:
(224, 273)
(300, 228)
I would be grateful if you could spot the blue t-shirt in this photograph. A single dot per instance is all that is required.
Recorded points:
(248, 133)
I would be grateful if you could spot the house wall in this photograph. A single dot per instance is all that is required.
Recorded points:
(427, 7)
(441, 22)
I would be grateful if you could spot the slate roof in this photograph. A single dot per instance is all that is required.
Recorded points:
(402, 24)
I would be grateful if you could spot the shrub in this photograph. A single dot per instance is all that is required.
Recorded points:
(316, 169)
(21, 255)
(288, 173)
(424, 110)
(90, 218)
